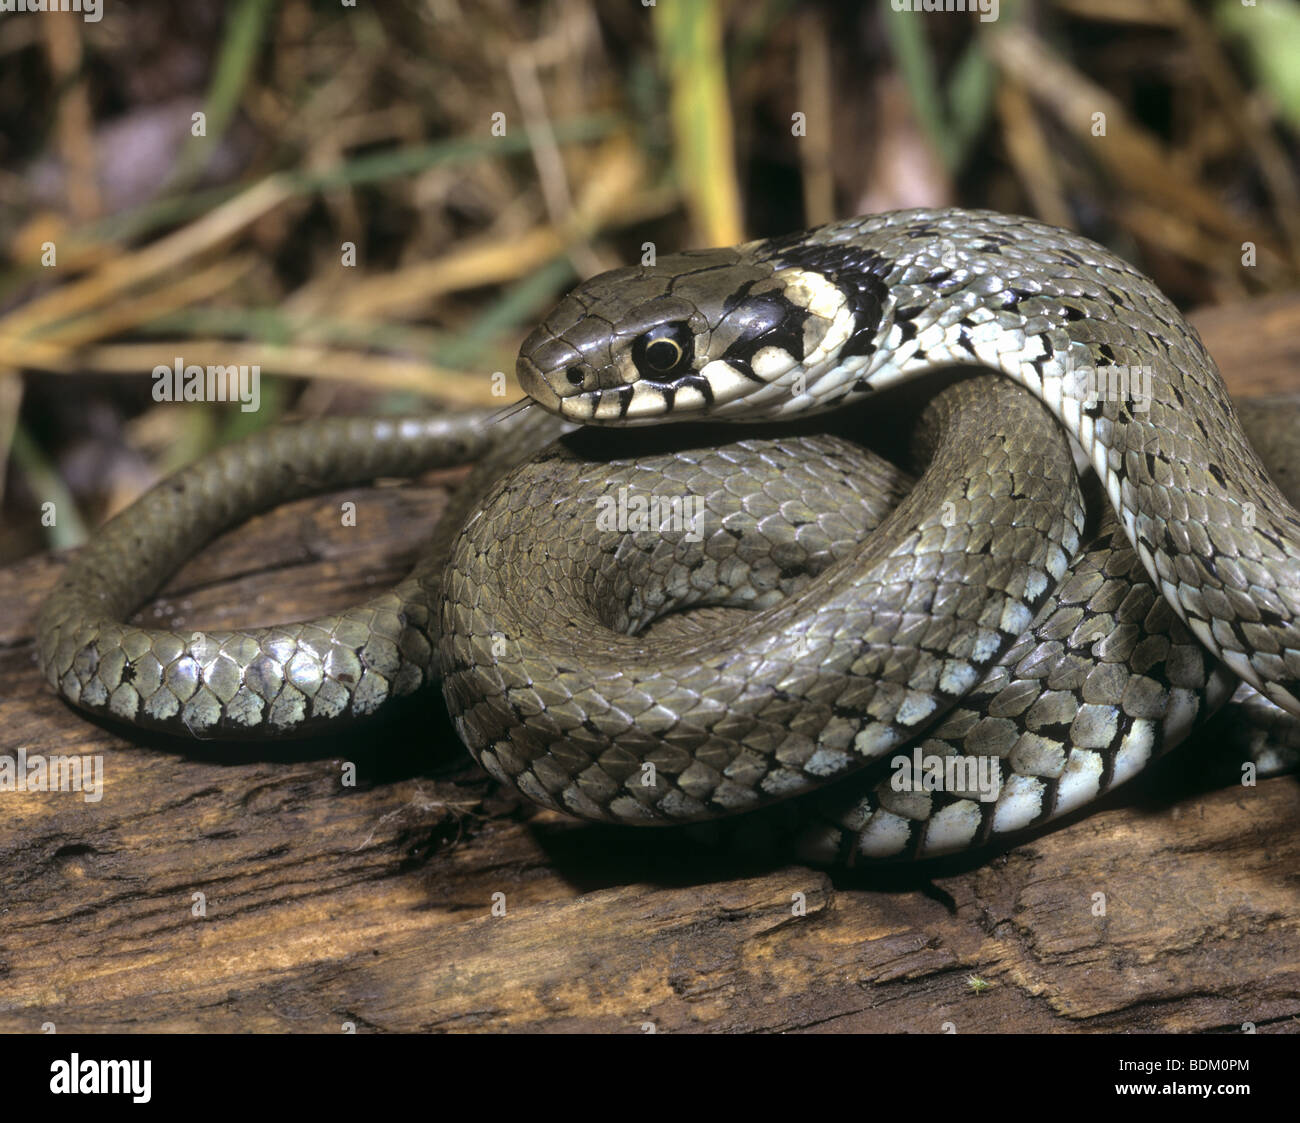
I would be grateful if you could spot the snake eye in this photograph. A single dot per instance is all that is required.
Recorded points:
(664, 351)
(575, 376)
(662, 354)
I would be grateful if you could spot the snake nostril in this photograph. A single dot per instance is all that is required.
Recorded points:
(575, 376)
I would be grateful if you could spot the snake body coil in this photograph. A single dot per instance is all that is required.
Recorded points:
(622, 658)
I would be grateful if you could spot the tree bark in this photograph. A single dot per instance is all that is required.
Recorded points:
(252, 889)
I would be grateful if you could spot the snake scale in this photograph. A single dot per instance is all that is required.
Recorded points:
(670, 626)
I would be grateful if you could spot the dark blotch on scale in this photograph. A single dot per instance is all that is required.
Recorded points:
(769, 320)
(857, 272)
(624, 394)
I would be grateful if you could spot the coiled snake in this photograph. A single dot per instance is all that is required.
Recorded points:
(996, 669)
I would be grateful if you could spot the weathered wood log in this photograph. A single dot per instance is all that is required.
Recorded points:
(253, 888)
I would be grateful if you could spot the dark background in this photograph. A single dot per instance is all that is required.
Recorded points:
(623, 123)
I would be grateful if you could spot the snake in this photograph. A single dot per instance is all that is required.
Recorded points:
(670, 591)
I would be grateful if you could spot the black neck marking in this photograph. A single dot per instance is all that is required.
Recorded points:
(856, 271)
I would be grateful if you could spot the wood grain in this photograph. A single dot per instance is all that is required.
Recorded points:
(326, 903)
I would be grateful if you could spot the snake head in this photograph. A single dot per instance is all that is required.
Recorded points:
(721, 333)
